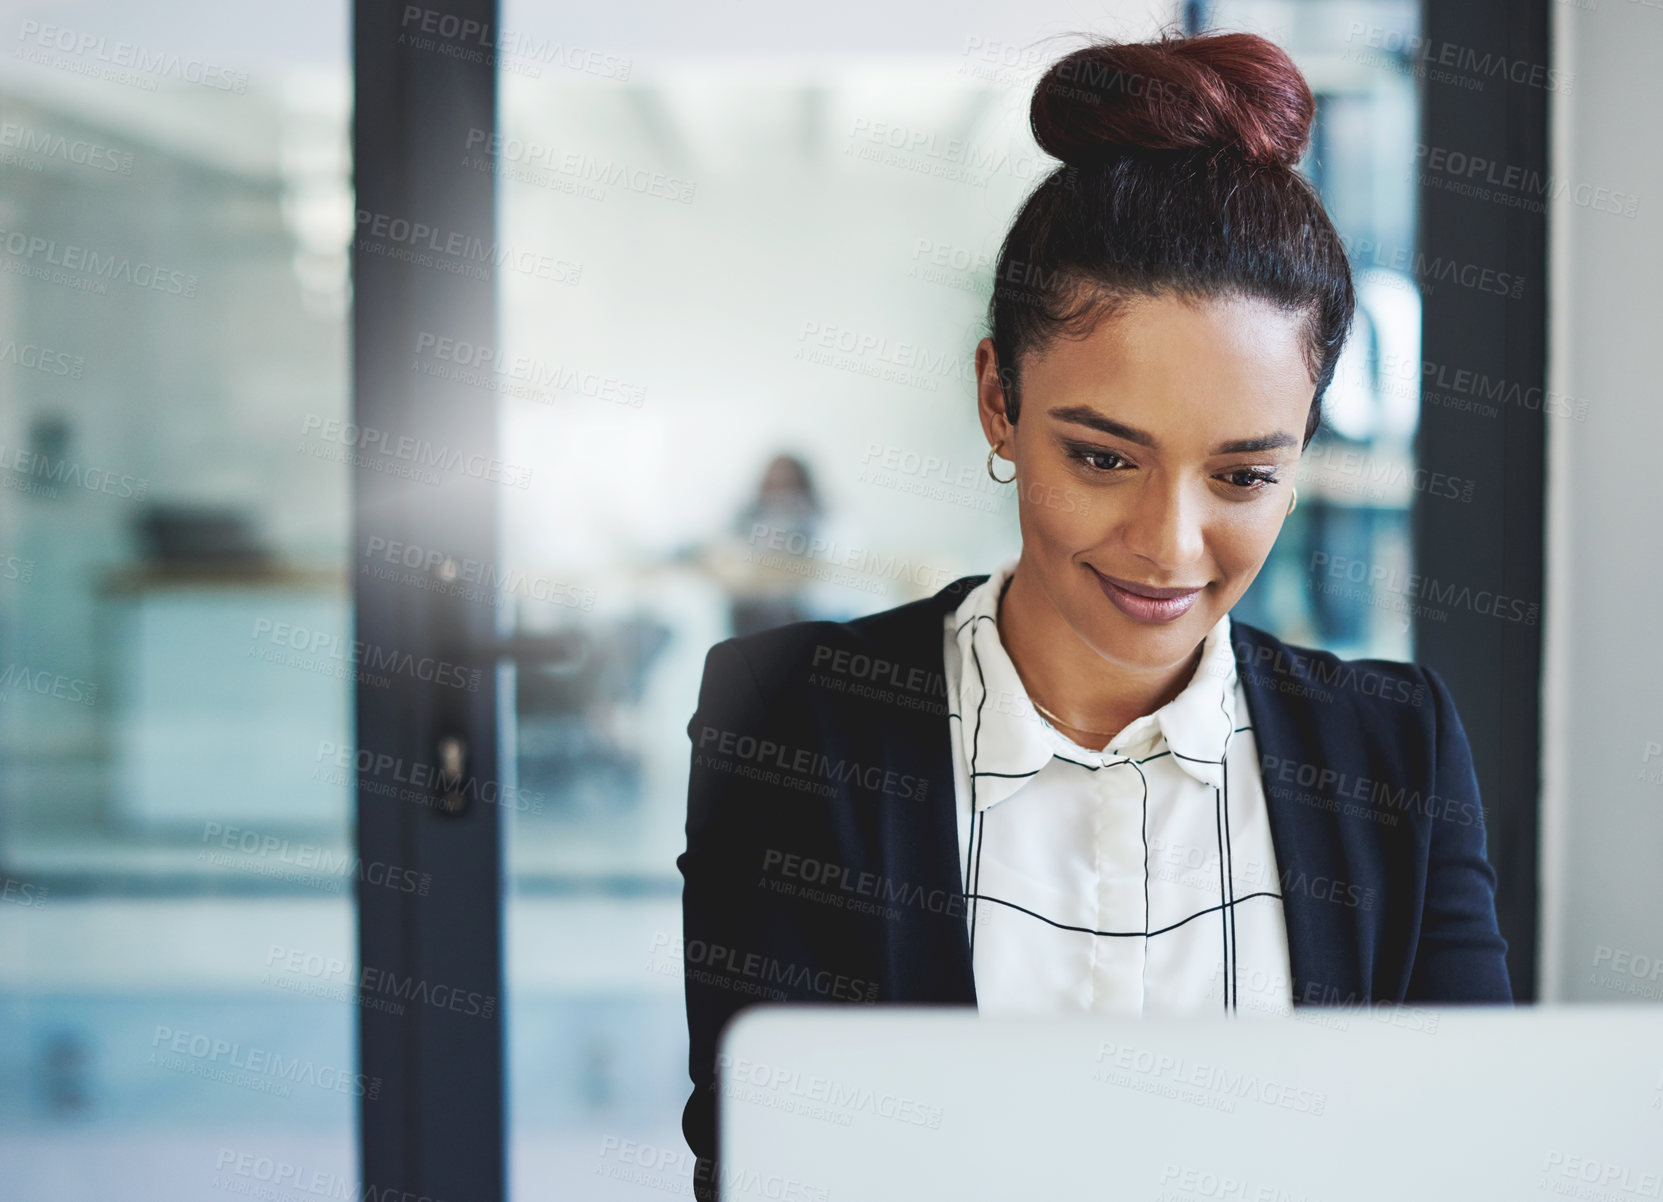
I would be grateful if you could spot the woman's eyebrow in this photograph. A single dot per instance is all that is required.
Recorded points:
(1084, 415)
(1265, 442)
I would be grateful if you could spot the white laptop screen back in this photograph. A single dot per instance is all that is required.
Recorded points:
(849, 1104)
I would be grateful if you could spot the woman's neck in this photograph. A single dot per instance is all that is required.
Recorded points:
(1067, 676)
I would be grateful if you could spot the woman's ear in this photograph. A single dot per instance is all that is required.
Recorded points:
(991, 394)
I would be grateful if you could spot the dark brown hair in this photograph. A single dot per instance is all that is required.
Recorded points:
(1178, 176)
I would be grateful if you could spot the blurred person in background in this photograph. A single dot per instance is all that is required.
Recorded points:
(787, 513)
(779, 560)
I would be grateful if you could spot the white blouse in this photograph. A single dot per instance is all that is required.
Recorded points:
(1139, 879)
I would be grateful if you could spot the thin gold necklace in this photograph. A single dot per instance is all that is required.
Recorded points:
(1056, 721)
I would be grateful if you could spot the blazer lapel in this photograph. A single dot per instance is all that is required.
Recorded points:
(1308, 839)
(928, 953)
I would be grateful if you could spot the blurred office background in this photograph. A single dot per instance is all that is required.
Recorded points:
(176, 559)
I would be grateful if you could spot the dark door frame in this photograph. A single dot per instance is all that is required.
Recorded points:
(1488, 348)
(423, 268)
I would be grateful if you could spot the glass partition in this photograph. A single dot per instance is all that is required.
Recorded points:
(176, 943)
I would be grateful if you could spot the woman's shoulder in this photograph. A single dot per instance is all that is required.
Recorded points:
(1282, 667)
(911, 630)
(1384, 700)
(895, 648)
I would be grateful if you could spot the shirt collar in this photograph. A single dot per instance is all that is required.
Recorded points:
(1007, 741)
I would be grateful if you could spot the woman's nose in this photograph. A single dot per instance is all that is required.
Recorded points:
(1164, 527)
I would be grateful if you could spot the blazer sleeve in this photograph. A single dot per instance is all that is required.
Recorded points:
(722, 920)
(1461, 955)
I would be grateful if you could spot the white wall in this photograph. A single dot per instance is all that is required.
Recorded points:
(1603, 682)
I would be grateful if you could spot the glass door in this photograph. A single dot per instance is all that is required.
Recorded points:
(177, 873)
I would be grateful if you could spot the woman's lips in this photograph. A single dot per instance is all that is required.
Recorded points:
(1144, 603)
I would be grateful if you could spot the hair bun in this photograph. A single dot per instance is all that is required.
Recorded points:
(1234, 90)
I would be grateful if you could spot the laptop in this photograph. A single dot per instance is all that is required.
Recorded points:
(857, 1104)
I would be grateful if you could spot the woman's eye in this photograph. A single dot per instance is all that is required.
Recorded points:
(1251, 477)
(1102, 461)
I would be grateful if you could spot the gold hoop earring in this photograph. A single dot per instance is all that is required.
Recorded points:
(992, 451)
(1293, 499)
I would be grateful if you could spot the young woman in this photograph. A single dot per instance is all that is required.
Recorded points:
(1074, 784)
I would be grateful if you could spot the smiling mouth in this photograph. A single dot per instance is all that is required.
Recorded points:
(1149, 590)
(1144, 602)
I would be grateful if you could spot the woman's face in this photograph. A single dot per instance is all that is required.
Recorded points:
(1154, 462)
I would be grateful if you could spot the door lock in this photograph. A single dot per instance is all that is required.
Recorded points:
(453, 762)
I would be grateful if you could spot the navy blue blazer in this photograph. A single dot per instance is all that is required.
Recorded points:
(822, 860)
